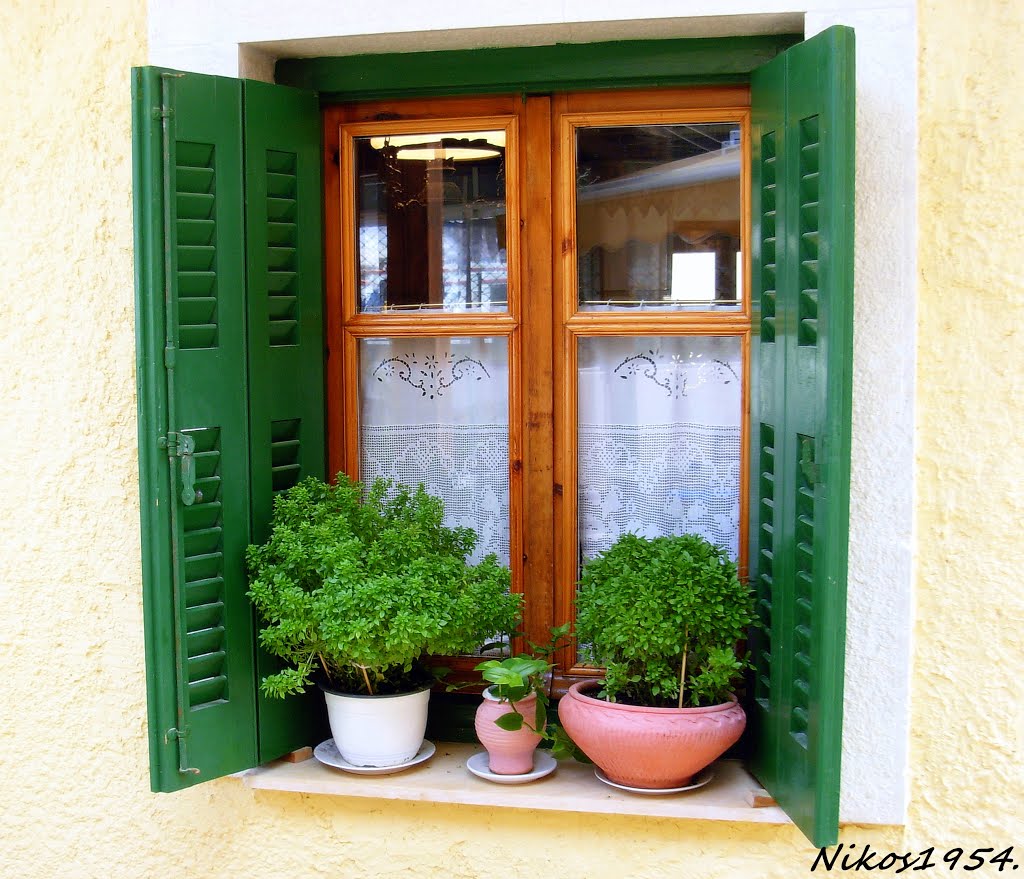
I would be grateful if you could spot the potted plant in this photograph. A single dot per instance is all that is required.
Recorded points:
(664, 617)
(356, 588)
(512, 718)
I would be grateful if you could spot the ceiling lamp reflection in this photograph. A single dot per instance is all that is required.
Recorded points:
(451, 146)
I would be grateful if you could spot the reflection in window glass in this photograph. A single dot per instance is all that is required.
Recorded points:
(646, 194)
(693, 277)
(431, 222)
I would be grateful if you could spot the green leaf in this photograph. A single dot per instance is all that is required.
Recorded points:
(510, 722)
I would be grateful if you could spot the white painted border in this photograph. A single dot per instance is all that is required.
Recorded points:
(246, 36)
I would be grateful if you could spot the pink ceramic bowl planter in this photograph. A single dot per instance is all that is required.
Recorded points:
(653, 748)
(509, 753)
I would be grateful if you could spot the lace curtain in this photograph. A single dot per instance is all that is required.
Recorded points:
(659, 433)
(659, 439)
(435, 411)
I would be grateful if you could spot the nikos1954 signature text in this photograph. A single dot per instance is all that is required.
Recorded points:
(850, 857)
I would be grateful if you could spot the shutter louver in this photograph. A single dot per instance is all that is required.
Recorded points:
(764, 550)
(196, 244)
(802, 109)
(285, 443)
(282, 248)
(204, 577)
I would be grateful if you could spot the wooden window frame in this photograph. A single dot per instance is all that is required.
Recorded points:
(542, 324)
(589, 109)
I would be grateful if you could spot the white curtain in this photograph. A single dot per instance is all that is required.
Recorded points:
(435, 411)
(659, 439)
(659, 433)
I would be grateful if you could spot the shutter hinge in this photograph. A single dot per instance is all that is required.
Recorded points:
(163, 112)
(170, 357)
(183, 445)
(180, 736)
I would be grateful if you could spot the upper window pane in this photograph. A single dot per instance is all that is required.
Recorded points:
(430, 230)
(658, 217)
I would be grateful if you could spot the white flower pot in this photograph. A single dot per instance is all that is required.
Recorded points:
(378, 730)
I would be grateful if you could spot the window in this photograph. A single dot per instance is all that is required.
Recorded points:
(437, 344)
(230, 365)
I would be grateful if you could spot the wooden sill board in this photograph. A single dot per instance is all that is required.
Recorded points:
(571, 788)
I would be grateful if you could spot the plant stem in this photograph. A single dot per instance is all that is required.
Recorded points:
(366, 677)
(682, 667)
(323, 666)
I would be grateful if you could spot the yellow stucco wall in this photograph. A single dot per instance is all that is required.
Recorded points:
(73, 760)
(968, 768)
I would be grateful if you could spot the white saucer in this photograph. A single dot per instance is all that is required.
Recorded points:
(328, 754)
(543, 764)
(699, 780)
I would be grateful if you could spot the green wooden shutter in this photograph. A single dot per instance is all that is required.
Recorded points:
(206, 347)
(803, 130)
(191, 345)
(286, 345)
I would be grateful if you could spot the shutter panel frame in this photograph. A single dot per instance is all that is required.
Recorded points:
(284, 254)
(805, 99)
(147, 186)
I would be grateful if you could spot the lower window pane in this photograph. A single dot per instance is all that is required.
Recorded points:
(435, 411)
(659, 439)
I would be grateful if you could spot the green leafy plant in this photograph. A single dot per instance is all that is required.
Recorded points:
(514, 678)
(359, 586)
(664, 616)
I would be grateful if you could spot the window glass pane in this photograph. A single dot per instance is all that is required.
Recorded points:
(435, 411)
(659, 439)
(431, 222)
(649, 200)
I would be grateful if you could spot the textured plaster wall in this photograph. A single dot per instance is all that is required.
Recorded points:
(73, 761)
(968, 715)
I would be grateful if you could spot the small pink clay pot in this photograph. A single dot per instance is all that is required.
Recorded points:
(508, 753)
(653, 748)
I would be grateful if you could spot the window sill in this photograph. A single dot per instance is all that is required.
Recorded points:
(572, 788)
